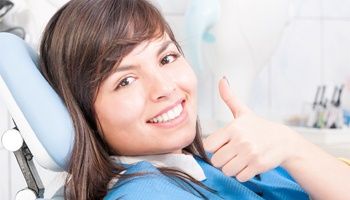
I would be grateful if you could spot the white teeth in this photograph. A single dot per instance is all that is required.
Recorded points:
(171, 114)
(165, 117)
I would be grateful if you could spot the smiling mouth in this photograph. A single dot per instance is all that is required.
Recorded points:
(168, 116)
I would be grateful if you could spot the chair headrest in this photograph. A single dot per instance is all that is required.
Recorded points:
(37, 110)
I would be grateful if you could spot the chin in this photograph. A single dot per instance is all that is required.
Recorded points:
(189, 140)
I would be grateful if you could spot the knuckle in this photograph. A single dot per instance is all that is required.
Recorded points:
(243, 177)
(226, 170)
(260, 165)
(215, 162)
(255, 154)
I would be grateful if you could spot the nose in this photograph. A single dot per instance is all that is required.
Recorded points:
(162, 87)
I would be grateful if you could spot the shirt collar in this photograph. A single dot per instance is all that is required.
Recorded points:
(183, 162)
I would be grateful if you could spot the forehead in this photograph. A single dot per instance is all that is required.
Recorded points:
(152, 47)
(153, 44)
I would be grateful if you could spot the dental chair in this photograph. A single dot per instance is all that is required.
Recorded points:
(42, 126)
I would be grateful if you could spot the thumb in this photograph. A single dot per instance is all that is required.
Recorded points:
(232, 101)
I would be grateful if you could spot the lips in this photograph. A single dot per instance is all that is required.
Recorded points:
(169, 115)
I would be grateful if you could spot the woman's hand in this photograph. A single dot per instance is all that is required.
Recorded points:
(249, 145)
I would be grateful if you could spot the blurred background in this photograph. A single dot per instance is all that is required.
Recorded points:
(288, 60)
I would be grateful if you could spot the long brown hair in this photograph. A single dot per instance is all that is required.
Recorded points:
(81, 44)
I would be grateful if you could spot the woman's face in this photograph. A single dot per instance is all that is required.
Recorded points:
(148, 104)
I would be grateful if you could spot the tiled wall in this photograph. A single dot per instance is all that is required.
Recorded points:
(314, 50)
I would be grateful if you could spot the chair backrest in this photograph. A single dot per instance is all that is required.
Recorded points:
(36, 109)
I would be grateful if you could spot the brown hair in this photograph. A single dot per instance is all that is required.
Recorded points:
(81, 44)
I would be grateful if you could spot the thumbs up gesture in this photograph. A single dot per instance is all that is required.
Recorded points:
(249, 145)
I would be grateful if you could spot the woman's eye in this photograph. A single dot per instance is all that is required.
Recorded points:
(169, 58)
(126, 81)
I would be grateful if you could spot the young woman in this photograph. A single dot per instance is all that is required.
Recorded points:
(132, 98)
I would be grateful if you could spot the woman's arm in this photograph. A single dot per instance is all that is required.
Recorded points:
(321, 175)
(250, 145)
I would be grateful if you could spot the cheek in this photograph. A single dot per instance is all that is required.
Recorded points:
(194, 82)
(118, 114)
(189, 82)
(186, 78)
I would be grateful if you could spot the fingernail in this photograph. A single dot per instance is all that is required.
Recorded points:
(227, 81)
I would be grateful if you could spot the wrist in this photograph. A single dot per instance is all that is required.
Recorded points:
(299, 150)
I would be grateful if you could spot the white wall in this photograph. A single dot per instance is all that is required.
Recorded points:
(314, 50)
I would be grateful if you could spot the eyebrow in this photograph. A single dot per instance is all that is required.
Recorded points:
(124, 68)
(162, 48)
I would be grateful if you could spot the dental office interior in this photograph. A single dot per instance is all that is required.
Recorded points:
(288, 60)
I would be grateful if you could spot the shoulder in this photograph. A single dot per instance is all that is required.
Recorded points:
(151, 185)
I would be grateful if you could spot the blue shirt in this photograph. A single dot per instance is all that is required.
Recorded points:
(274, 184)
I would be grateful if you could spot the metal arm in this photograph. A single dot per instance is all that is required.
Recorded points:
(13, 141)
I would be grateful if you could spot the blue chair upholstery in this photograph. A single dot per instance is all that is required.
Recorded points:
(37, 111)
(35, 107)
